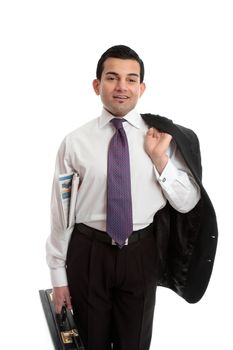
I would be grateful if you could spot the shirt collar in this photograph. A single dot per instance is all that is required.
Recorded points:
(133, 118)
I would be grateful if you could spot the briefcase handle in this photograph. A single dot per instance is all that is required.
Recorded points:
(62, 317)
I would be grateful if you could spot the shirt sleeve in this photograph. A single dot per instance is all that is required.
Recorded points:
(57, 242)
(177, 183)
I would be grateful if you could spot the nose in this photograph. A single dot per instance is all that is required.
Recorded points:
(121, 85)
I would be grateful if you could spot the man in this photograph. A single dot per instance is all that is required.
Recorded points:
(139, 214)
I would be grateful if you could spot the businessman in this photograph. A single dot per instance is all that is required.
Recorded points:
(142, 216)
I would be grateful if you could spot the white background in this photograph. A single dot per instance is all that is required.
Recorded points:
(49, 50)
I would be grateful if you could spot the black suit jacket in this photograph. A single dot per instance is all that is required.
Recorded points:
(186, 243)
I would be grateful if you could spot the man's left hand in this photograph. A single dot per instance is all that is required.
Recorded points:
(156, 145)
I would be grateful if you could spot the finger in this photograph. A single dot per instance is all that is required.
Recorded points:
(154, 133)
(168, 137)
(58, 307)
(58, 303)
(150, 132)
(68, 302)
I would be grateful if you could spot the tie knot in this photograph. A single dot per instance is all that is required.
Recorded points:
(117, 122)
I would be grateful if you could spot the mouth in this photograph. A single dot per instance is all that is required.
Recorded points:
(120, 97)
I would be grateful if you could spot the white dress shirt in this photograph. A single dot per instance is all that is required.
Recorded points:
(85, 151)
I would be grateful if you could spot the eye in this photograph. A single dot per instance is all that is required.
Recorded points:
(132, 80)
(110, 77)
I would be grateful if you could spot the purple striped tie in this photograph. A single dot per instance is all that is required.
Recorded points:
(119, 202)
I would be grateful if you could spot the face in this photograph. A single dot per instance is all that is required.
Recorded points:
(119, 87)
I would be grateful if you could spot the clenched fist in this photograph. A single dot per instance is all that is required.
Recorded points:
(61, 296)
(156, 145)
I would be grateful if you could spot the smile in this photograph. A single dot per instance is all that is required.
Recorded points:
(119, 97)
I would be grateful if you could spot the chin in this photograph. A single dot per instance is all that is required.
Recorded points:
(121, 112)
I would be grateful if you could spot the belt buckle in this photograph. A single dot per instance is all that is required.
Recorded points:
(125, 243)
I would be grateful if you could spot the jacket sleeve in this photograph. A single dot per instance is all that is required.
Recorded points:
(193, 146)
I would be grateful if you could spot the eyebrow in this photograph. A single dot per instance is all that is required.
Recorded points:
(129, 75)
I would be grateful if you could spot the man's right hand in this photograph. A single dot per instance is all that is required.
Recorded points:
(61, 296)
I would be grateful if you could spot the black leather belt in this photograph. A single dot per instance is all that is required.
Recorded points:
(102, 236)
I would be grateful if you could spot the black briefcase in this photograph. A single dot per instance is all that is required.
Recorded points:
(62, 327)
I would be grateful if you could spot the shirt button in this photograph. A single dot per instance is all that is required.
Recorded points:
(164, 179)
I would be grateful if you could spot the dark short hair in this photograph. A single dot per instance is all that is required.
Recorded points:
(123, 52)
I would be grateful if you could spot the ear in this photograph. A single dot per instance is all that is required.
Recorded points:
(142, 88)
(96, 86)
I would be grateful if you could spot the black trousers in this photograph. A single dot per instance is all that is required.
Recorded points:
(113, 291)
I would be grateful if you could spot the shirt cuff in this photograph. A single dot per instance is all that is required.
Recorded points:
(58, 277)
(168, 176)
